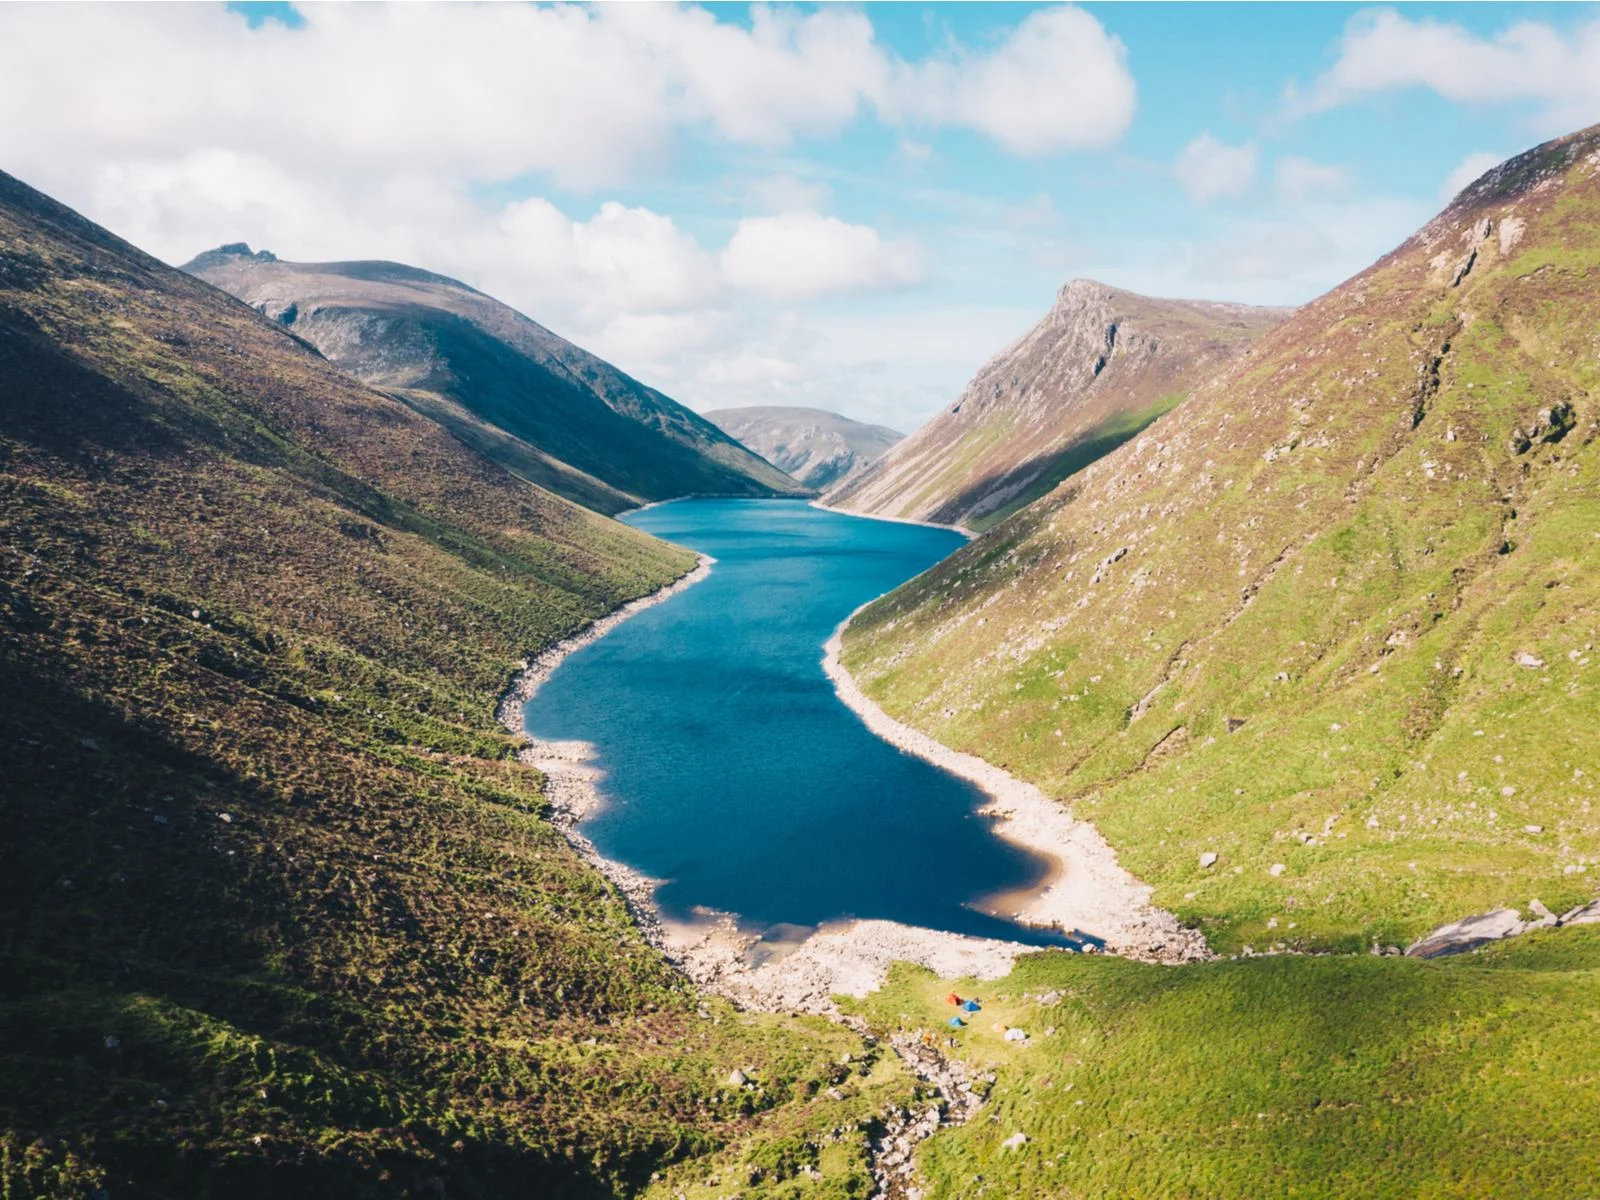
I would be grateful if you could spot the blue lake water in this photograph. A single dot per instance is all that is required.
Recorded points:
(734, 773)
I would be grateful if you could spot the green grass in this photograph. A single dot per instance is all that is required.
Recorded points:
(1285, 1076)
(1098, 442)
(1343, 543)
(260, 827)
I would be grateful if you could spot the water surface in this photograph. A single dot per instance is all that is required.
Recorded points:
(734, 773)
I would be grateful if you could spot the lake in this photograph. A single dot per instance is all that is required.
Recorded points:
(733, 772)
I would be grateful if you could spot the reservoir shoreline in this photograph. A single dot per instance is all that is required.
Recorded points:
(1085, 888)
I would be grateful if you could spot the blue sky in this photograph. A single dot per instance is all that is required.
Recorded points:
(849, 207)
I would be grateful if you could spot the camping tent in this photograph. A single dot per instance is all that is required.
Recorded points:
(972, 1006)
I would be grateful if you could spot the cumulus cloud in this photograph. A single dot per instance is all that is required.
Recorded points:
(1384, 50)
(499, 91)
(1058, 82)
(1210, 169)
(1302, 179)
(803, 254)
(1467, 171)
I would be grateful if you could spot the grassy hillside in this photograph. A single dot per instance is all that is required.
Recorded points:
(1339, 1076)
(1334, 618)
(1100, 367)
(278, 911)
(543, 408)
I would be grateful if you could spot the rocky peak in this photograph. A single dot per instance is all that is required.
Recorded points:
(226, 253)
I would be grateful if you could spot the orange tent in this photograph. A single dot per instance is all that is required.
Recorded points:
(952, 998)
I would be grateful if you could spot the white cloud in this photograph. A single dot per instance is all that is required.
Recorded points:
(803, 254)
(1467, 171)
(1058, 82)
(1302, 179)
(1383, 50)
(1210, 169)
(494, 92)
(785, 192)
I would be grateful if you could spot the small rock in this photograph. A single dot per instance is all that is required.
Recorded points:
(1276, 869)
(90, 744)
(1015, 1142)
(225, 818)
(1016, 1035)
(1208, 859)
(736, 1078)
(1533, 829)
(1584, 914)
(112, 1041)
(1531, 661)
(1233, 724)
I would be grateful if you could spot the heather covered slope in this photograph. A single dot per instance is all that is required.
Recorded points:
(1335, 618)
(278, 912)
(1102, 365)
(819, 448)
(544, 408)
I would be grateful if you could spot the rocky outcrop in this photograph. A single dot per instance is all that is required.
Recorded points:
(1470, 933)
(1101, 365)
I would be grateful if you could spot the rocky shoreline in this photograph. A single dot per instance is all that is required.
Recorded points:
(1089, 891)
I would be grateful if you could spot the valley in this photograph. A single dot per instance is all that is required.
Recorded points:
(384, 818)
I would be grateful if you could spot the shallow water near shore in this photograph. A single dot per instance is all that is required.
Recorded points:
(730, 768)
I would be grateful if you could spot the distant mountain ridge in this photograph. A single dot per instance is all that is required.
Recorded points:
(1100, 366)
(819, 448)
(539, 405)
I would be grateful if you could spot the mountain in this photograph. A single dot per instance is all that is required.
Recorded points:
(817, 447)
(545, 409)
(1333, 619)
(1101, 366)
(279, 910)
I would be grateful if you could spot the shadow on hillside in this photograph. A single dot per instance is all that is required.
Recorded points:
(143, 1000)
(1036, 477)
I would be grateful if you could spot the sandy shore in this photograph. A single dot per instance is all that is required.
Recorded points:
(1088, 890)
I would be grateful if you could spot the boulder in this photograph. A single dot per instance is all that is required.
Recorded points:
(1468, 934)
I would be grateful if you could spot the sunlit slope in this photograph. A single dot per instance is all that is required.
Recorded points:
(1328, 1076)
(278, 912)
(1371, 549)
(1100, 366)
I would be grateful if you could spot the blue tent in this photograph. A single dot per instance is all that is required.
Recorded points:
(956, 1022)
(972, 1006)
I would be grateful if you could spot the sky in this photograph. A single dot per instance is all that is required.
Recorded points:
(849, 207)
